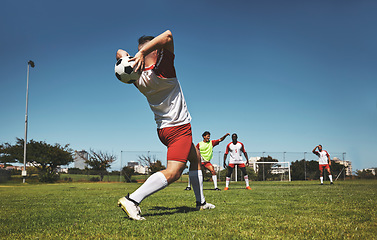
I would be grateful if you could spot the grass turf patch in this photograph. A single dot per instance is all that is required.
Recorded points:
(272, 210)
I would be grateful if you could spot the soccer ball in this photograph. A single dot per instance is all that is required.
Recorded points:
(124, 70)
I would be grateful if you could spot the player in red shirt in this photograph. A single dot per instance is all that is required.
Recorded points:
(235, 150)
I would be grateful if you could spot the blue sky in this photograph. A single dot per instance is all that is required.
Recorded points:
(284, 75)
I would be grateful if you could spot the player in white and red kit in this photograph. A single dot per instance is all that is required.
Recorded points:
(324, 162)
(235, 149)
(159, 84)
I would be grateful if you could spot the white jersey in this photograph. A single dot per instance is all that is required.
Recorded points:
(159, 84)
(235, 152)
(323, 157)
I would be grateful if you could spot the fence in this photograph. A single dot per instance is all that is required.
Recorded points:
(128, 158)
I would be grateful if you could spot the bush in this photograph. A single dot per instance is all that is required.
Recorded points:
(94, 179)
(5, 175)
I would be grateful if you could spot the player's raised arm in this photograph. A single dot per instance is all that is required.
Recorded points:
(223, 137)
(314, 151)
(162, 41)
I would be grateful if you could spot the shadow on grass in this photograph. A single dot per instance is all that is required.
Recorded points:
(169, 211)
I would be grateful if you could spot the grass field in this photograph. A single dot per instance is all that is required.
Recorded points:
(272, 210)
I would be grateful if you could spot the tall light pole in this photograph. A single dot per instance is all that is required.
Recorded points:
(29, 64)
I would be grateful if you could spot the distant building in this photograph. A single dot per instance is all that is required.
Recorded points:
(137, 167)
(80, 158)
(372, 170)
(346, 164)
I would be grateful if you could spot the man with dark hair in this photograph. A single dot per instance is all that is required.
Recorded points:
(324, 162)
(159, 84)
(206, 152)
(235, 149)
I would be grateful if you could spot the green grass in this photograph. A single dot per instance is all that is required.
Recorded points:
(272, 210)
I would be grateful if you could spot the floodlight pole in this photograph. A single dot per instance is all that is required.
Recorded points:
(30, 63)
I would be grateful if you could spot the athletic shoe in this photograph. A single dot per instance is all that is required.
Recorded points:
(188, 188)
(130, 207)
(331, 183)
(217, 189)
(226, 188)
(248, 188)
(204, 206)
(321, 183)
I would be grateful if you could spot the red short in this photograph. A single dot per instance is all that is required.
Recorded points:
(323, 166)
(178, 139)
(206, 164)
(239, 165)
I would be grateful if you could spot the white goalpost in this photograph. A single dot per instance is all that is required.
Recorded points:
(280, 170)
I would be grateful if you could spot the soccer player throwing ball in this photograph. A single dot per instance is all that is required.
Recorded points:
(235, 149)
(206, 152)
(159, 84)
(324, 162)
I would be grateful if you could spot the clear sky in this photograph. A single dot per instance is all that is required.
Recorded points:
(284, 75)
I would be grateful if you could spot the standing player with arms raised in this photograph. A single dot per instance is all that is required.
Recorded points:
(235, 149)
(324, 162)
(159, 84)
(206, 152)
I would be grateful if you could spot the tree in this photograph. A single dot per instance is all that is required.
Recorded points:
(7, 154)
(43, 156)
(100, 162)
(154, 165)
(365, 174)
(127, 172)
(298, 169)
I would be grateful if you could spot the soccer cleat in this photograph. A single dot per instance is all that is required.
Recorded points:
(130, 207)
(204, 206)
(248, 188)
(331, 183)
(188, 188)
(217, 189)
(226, 188)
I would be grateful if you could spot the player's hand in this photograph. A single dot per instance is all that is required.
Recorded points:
(224, 165)
(139, 62)
(121, 53)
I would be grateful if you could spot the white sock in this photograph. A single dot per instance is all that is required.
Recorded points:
(227, 182)
(154, 183)
(196, 179)
(214, 178)
(189, 184)
(246, 180)
(330, 176)
(321, 179)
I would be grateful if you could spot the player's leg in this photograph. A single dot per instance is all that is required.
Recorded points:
(196, 179)
(210, 167)
(321, 173)
(329, 172)
(155, 183)
(229, 173)
(245, 177)
(188, 185)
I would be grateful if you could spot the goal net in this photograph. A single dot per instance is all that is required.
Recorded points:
(271, 171)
